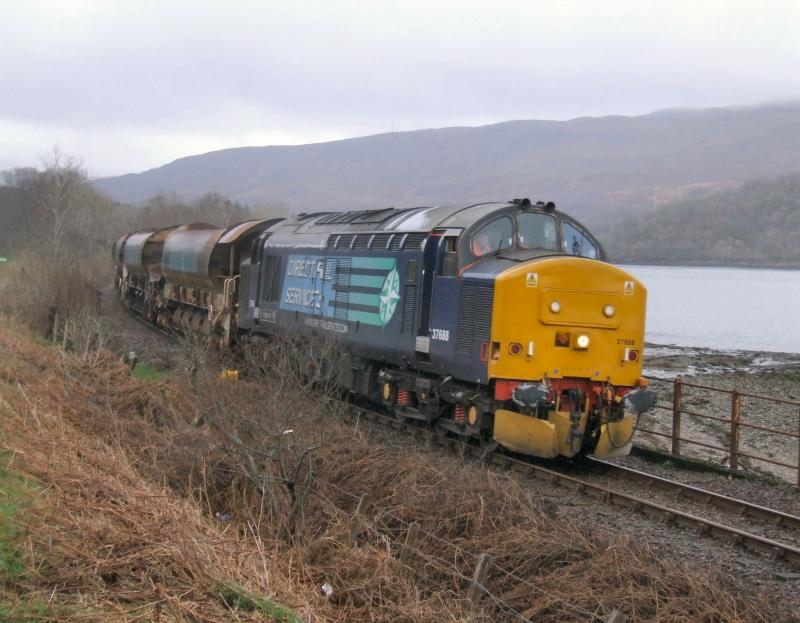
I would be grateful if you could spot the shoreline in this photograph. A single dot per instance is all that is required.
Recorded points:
(669, 360)
(690, 264)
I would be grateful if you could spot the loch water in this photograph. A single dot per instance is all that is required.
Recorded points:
(722, 308)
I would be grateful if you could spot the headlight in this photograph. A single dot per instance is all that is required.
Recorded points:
(582, 341)
(609, 311)
(555, 307)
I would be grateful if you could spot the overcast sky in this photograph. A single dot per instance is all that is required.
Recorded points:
(129, 85)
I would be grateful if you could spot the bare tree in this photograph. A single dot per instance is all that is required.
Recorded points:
(219, 210)
(262, 421)
(66, 215)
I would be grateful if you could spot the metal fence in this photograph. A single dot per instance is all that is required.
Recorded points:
(734, 426)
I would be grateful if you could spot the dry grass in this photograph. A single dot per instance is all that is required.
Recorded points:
(124, 525)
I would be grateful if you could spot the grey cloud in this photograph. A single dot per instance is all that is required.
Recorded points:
(321, 69)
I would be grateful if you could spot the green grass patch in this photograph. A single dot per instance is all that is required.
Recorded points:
(148, 372)
(237, 598)
(36, 611)
(12, 494)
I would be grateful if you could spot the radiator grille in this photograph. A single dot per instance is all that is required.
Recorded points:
(474, 315)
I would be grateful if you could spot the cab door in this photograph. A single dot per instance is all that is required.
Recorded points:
(437, 319)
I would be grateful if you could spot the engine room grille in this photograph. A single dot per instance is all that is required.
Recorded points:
(414, 240)
(409, 305)
(342, 288)
(474, 315)
(344, 241)
(378, 242)
(362, 241)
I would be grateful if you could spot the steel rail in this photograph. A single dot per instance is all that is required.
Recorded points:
(671, 516)
(745, 508)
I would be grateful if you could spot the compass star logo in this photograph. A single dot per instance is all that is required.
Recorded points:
(390, 294)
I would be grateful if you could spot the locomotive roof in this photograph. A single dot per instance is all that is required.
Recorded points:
(314, 229)
(424, 219)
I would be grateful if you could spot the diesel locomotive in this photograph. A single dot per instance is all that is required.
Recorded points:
(497, 321)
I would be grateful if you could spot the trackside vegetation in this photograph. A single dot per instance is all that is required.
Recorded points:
(204, 499)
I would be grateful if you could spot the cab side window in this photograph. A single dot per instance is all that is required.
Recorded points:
(576, 242)
(449, 262)
(498, 235)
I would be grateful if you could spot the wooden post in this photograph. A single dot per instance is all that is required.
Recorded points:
(55, 329)
(736, 414)
(616, 617)
(64, 339)
(478, 579)
(410, 543)
(355, 522)
(677, 404)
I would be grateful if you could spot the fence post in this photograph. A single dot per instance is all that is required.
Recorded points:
(355, 522)
(410, 542)
(64, 338)
(478, 580)
(55, 328)
(736, 414)
(798, 448)
(677, 404)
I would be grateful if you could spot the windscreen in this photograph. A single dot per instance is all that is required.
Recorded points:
(537, 231)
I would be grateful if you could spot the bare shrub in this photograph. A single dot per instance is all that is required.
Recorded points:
(264, 426)
(37, 289)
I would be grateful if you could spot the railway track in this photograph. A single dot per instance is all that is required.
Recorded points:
(702, 525)
(705, 497)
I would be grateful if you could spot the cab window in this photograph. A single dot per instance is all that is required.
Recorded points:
(537, 231)
(575, 242)
(498, 235)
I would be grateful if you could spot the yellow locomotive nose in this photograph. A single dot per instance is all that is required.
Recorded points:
(589, 322)
(600, 314)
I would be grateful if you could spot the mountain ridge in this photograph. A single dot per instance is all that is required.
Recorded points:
(594, 167)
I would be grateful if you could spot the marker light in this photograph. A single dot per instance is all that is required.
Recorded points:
(631, 355)
(555, 307)
(582, 341)
(609, 311)
(515, 348)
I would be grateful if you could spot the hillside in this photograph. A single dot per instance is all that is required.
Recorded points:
(757, 224)
(593, 167)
